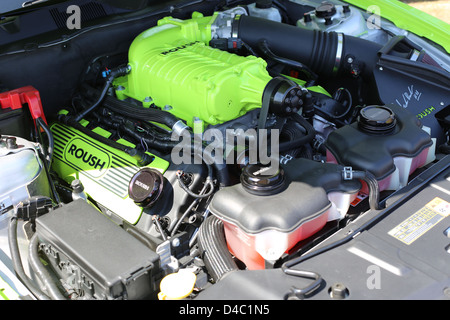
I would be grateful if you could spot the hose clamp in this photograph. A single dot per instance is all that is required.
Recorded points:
(235, 27)
(179, 127)
(347, 173)
(339, 50)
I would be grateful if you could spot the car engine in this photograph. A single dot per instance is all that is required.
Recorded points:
(220, 141)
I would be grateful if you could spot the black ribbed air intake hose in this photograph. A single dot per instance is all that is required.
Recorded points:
(214, 250)
(323, 52)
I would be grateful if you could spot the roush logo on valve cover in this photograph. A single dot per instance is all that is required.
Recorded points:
(87, 157)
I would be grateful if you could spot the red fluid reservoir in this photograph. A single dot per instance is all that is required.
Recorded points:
(387, 141)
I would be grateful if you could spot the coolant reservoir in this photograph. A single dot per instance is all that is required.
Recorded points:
(264, 216)
(336, 18)
(264, 9)
(387, 141)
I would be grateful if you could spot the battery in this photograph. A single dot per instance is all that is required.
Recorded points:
(95, 257)
(15, 118)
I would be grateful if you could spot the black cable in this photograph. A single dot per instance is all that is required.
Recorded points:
(164, 146)
(191, 206)
(130, 110)
(155, 219)
(127, 109)
(208, 182)
(337, 96)
(109, 80)
(40, 124)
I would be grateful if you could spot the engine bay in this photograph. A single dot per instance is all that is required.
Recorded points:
(182, 154)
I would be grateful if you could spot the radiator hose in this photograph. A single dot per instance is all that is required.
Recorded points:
(214, 250)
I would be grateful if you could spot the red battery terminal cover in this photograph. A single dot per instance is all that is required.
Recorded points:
(15, 99)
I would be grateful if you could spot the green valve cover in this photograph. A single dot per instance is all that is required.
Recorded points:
(172, 65)
(104, 171)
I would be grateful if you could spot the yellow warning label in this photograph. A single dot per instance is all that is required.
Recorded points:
(421, 221)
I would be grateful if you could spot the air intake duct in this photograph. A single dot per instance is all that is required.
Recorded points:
(326, 53)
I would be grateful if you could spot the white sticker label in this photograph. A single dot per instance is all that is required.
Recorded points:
(421, 221)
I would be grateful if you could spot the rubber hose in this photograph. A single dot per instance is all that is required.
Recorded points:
(220, 169)
(214, 250)
(115, 121)
(321, 51)
(41, 271)
(133, 111)
(147, 114)
(310, 134)
(374, 189)
(17, 262)
(202, 195)
(164, 146)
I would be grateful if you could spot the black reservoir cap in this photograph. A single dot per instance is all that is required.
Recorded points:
(325, 10)
(262, 179)
(377, 120)
(146, 186)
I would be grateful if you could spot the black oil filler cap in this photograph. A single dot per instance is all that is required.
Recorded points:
(262, 179)
(146, 186)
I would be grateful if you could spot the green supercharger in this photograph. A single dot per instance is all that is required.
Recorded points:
(173, 67)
